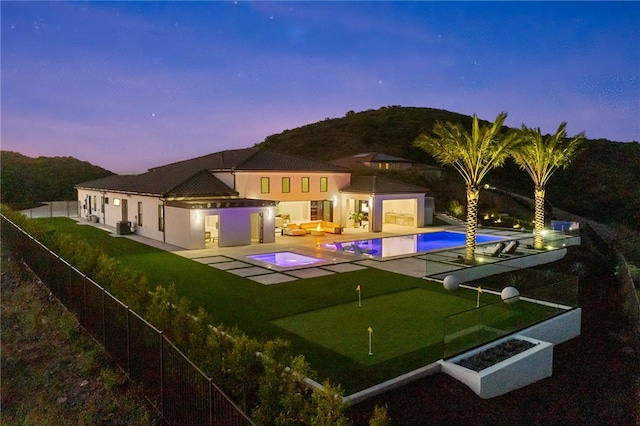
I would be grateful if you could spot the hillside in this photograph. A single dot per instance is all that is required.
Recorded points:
(26, 181)
(602, 183)
(388, 129)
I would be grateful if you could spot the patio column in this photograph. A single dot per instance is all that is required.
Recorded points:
(376, 215)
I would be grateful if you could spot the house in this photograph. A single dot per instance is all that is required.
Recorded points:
(382, 161)
(239, 197)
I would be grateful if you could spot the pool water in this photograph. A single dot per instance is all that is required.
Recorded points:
(417, 243)
(286, 259)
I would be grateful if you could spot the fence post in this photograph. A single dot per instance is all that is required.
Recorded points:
(104, 320)
(128, 343)
(162, 373)
(210, 401)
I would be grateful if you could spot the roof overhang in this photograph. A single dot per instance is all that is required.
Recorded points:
(219, 203)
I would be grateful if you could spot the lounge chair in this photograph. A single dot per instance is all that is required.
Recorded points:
(340, 247)
(495, 250)
(511, 247)
(358, 250)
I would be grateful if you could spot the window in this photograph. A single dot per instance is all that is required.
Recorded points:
(286, 185)
(95, 203)
(264, 185)
(102, 203)
(324, 183)
(116, 201)
(106, 200)
(160, 217)
(305, 184)
(139, 213)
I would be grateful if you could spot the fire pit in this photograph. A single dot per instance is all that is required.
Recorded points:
(502, 366)
(495, 354)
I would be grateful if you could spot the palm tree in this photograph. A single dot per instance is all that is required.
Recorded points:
(541, 157)
(472, 155)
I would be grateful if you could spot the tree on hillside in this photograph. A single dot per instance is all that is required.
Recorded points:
(541, 157)
(472, 155)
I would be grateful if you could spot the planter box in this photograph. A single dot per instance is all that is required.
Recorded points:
(536, 363)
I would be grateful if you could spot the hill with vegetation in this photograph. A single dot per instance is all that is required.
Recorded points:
(602, 183)
(26, 181)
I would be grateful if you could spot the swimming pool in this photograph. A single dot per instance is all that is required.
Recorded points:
(416, 243)
(286, 259)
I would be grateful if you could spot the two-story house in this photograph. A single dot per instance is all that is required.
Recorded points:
(237, 197)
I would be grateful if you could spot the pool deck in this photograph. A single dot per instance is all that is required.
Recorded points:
(431, 265)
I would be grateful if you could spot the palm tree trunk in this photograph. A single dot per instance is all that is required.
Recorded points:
(473, 194)
(538, 241)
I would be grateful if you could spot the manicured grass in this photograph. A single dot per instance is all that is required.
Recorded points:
(402, 322)
(319, 316)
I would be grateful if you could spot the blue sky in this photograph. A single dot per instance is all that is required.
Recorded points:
(131, 85)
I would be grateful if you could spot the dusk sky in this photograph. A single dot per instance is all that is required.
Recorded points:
(132, 85)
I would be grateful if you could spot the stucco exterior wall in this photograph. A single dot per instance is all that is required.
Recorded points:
(110, 212)
(184, 228)
(248, 185)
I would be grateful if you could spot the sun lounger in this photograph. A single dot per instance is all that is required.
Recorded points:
(358, 250)
(340, 247)
(495, 250)
(511, 247)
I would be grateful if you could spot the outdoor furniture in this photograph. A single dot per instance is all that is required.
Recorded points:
(322, 225)
(495, 250)
(293, 230)
(340, 247)
(511, 247)
(358, 250)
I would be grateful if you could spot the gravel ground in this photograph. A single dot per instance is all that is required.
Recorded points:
(52, 372)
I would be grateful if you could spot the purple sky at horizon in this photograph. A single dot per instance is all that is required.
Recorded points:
(132, 85)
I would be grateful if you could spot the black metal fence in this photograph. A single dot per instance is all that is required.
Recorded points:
(178, 389)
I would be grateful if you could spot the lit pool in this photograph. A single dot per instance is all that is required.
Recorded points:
(286, 259)
(411, 244)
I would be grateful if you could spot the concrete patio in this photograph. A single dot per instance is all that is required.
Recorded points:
(435, 265)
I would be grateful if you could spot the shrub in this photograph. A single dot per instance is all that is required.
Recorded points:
(379, 417)
(456, 209)
(281, 396)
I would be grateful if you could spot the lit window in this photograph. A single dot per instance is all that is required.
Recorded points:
(160, 217)
(116, 201)
(324, 183)
(286, 185)
(139, 213)
(305, 184)
(264, 185)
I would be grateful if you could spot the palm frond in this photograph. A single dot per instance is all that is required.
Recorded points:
(541, 156)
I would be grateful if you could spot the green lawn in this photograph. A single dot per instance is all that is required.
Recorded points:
(320, 316)
(402, 322)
